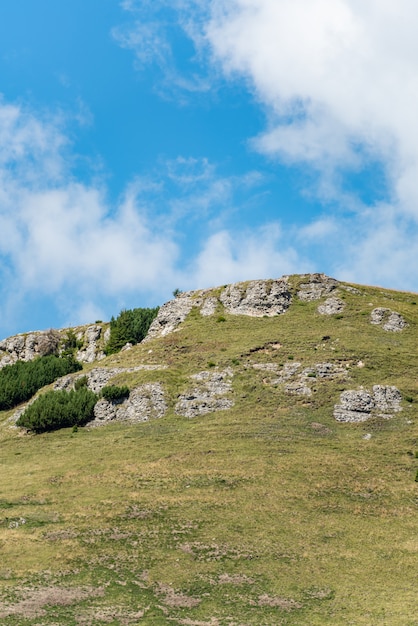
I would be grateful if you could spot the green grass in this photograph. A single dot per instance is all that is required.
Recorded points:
(268, 513)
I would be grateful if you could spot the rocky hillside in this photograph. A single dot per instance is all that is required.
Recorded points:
(260, 471)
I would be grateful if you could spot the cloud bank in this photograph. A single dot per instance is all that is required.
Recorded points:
(339, 84)
(64, 244)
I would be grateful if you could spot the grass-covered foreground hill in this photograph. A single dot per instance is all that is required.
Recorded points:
(261, 472)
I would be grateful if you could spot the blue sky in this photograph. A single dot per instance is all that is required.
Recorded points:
(147, 146)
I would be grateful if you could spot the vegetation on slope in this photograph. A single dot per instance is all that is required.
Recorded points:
(130, 326)
(20, 381)
(59, 409)
(268, 513)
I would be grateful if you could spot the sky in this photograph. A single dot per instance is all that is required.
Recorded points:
(154, 145)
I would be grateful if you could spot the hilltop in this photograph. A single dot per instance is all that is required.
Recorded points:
(261, 471)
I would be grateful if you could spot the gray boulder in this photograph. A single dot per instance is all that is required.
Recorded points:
(360, 405)
(389, 320)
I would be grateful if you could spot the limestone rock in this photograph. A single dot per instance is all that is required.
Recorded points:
(389, 320)
(208, 395)
(144, 402)
(257, 298)
(170, 315)
(360, 405)
(26, 347)
(331, 306)
(316, 287)
(209, 306)
(99, 377)
(298, 388)
(90, 351)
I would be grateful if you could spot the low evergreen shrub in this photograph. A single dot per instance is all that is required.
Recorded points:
(80, 382)
(59, 409)
(130, 326)
(113, 393)
(20, 381)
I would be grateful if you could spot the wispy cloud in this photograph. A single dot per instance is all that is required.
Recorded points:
(63, 243)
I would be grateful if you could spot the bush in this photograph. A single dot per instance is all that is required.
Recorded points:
(81, 382)
(20, 381)
(59, 409)
(112, 393)
(130, 326)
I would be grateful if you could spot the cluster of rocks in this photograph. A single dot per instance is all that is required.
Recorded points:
(144, 403)
(362, 404)
(256, 298)
(331, 306)
(389, 320)
(99, 377)
(26, 347)
(297, 381)
(318, 286)
(94, 340)
(210, 392)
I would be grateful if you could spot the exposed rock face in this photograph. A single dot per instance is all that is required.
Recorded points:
(297, 381)
(360, 405)
(90, 351)
(170, 315)
(388, 320)
(209, 393)
(99, 377)
(144, 403)
(331, 306)
(317, 286)
(27, 347)
(257, 298)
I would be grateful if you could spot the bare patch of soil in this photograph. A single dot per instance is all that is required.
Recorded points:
(174, 599)
(108, 615)
(34, 600)
(235, 579)
(286, 604)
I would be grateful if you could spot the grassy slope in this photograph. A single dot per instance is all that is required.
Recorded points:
(258, 513)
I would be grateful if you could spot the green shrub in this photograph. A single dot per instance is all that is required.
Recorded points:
(20, 381)
(130, 326)
(59, 409)
(112, 393)
(80, 383)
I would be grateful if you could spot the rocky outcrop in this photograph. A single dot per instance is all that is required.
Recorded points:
(99, 377)
(91, 350)
(389, 320)
(144, 403)
(210, 393)
(331, 306)
(26, 347)
(258, 298)
(360, 405)
(298, 381)
(316, 286)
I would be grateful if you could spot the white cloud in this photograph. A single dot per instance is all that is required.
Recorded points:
(233, 256)
(339, 83)
(59, 236)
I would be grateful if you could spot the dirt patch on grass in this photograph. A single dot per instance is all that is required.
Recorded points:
(175, 599)
(191, 622)
(34, 600)
(108, 615)
(235, 579)
(286, 604)
(212, 552)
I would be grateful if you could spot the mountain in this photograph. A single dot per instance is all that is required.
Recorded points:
(261, 471)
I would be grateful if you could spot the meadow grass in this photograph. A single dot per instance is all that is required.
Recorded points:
(268, 513)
